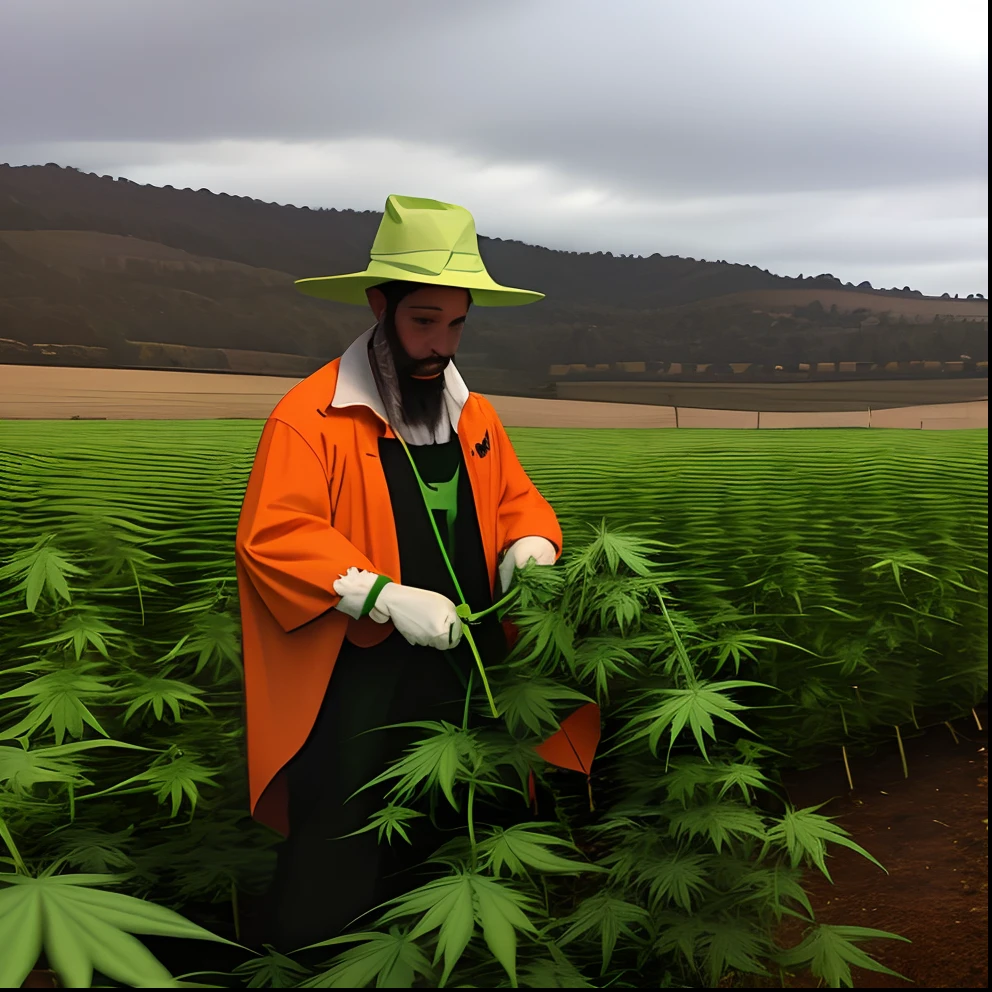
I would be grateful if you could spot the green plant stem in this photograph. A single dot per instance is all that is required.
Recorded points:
(482, 670)
(468, 700)
(234, 910)
(683, 655)
(978, 723)
(471, 821)
(847, 767)
(947, 724)
(137, 585)
(475, 617)
(902, 754)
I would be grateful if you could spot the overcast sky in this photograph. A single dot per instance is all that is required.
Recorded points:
(846, 137)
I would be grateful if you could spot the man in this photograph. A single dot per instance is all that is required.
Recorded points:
(347, 604)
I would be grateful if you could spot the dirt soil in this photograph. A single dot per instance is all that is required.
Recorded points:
(930, 831)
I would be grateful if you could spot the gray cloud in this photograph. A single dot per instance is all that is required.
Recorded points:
(727, 124)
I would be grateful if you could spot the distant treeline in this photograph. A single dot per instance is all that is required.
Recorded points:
(600, 308)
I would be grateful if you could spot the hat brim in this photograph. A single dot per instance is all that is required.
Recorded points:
(351, 287)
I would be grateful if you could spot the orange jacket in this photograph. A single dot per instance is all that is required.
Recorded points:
(316, 505)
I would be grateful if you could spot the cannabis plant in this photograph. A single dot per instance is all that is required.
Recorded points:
(867, 550)
(122, 795)
(651, 846)
(831, 589)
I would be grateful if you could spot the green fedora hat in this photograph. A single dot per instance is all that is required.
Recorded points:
(422, 241)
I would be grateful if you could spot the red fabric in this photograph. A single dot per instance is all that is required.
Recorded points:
(511, 631)
(574, 745)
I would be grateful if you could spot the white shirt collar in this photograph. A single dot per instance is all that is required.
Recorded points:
(356, 384)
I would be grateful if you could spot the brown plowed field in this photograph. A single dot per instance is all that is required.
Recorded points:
(45, 393)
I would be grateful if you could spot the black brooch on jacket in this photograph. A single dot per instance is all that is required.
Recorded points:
(483, 446)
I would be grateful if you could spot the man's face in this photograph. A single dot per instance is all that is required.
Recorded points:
(429, 325)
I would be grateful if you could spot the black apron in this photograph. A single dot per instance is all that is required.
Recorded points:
(322, 883)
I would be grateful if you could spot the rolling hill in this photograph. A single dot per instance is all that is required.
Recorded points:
(96, 270)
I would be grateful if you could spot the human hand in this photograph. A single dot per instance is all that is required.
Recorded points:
(518, 554)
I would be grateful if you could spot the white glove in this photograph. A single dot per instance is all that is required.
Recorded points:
(354, 587)
(422, 617)
(518, 554)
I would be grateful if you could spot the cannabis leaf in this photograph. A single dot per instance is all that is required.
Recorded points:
(719, 820)
(617, 600)
(119, 555)
(455, 906)
(899, 561)
(739, 775)
(695, 706)
(82, 928)
(391, 960)
(390, 820)
(520, 847)
(740, 644)
(21, 769)
(685, 776)
(215, 639)
(158, 692)
(613, 548)
(829, 951)
(772, 887)
(537, 585)
(679, 877)
(610, 917)
(543, 630)
(80, 630)
(718, 945)
(805, 835)
(530, 702)
(94, 850)
(274, 971)
(176, 775)
(553, 972)
(689, 774)
(41, 568)
(601, 659)
(60, 699)
(439, 760)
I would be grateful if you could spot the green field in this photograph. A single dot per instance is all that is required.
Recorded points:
(868, 548)
(807, 595)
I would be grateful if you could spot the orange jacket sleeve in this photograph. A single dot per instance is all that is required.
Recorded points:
(522, 510)
(285, 542)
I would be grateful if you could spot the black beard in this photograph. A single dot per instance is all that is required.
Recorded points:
(421, 399)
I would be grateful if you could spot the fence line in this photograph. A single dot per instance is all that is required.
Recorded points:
(526, 412)
(949, 416)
